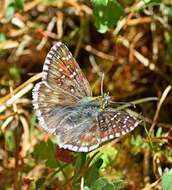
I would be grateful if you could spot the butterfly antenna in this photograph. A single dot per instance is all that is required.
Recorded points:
(126, 104)
(102, 80)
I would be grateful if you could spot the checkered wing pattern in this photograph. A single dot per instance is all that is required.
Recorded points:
(63, 84)
(92, 132)
(61, 71)
(81, 137)
(113, 124)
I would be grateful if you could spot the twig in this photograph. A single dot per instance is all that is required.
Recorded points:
(31, 5)
(145, 61)
(146, 165)
(140, 20)
(152, 185)
(17, 142)
(25, 137)
(7, 122)
(100, 54)
(96, 68)
(148, 120)
(81, 34)
(15, 97)
(49, 29)
(9, 44)
(25, 41)
(82, 183)
(163, 97)
(59, 24)
(31, 80)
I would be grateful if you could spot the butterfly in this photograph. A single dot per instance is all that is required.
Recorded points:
(64, 105)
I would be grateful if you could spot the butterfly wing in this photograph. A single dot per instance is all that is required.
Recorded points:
(79, 138)
(113, 124)
(63, 84)
(61, 70)
(47, 102)
(92, 132)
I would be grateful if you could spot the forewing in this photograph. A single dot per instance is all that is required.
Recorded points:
(113, 124)
(61, 70)
(63, 84)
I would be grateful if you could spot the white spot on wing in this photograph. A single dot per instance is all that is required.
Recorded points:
(36, 106)
(136, 124)
(112, 119)
(72, 90)
(105, 138)
(63, 76)
(55, 47)
(83, 149)
(117, 134)
(71, 76)
(45, 68)
(58, 44)
(74, 148)
(49, 56)
(132, 128)
(93, 147)
(111, 136)
(47, 62)
(67, 146)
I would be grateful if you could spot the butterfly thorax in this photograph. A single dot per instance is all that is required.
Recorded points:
(87, 107)
(100, 102)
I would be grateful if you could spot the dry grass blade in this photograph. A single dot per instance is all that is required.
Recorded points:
(162, 99)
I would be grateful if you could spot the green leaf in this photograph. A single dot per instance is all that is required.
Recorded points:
(14, 71)
(46, 151)
(39, 183)
(106, 13)
(86, 188)
(102, 184)
(137, 141)
(159, 132)
(93, 172)
(80, 161)
(2, 37)
(32, 186)
(19, 4)
(167, 10)
(99, 184)
(119, 184)
(167, 180)
(151, 2)
(168, 42)
(10, 140)
(9, 12)
(109, 186)
(107, 153)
